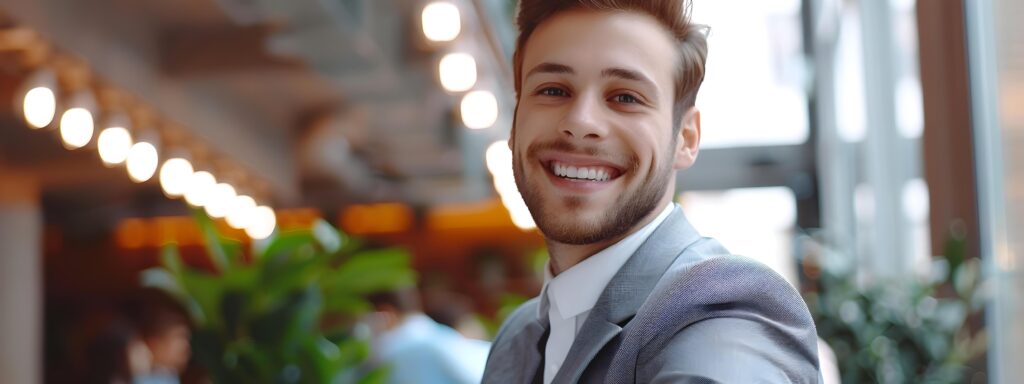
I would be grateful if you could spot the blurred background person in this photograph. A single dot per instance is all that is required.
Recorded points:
(118, 355)
(164, 328)
(455, 311)
(418, 349)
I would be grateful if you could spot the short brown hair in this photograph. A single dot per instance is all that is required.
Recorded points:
(674, 15)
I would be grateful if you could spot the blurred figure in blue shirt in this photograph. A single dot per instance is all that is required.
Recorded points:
(418, 349)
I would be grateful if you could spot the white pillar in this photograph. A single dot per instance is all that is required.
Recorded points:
(997, 80)
(21, 288)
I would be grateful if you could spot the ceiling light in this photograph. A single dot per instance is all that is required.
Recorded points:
(142, 161)
(39, 105)
(76, 123)
(241, 212)
(222, 199)
(479, 109)
(114, 144)
(200, 188)
(441, 21)
(175, 176)
(262, 223)
(457, 72)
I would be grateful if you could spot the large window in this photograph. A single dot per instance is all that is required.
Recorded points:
(754, 222)
(754, 90)
(997, 91)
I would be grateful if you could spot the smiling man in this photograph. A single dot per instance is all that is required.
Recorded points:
(605, 118)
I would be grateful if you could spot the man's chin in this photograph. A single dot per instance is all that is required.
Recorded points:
(574, 228)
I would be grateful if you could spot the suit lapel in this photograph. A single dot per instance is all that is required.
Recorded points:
(626, 292)
(519, 360)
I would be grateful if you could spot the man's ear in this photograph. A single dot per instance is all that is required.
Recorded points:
(688, 141)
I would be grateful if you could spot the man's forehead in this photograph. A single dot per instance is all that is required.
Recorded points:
(596, 41)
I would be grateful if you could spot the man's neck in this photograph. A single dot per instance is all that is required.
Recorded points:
(564, 256)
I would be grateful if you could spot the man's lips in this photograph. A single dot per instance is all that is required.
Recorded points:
(563, 164)
(579, 174)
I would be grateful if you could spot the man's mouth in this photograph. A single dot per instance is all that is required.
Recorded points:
(576, 171)
(590, 172)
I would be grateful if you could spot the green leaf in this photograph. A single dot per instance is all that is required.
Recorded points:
(329, 237)
(241, 277)
(342, 302)
(288, 277)
(286, 244)
(353, 351)
(214, 246)
(171, 259)
(372, 271)
(162, 279)
(233, 308)
(285, 325)
(252, 361)
(206, 291)
(377, 376)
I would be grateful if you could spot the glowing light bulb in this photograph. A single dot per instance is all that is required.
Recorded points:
(457, 72)
(39, 107)
(114, 144)
(142, 161)
(479, 109)
(499, 158)
(263, 222)
(441, 21)
(175, 176)
(76, 127)
(221, 200)
(241, 212)
(200, 188)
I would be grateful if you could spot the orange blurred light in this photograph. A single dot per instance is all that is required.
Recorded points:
(377, 218)
(131, 233)
(491, 214)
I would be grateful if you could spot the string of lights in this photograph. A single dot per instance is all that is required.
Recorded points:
(458, 74)
(61, 94)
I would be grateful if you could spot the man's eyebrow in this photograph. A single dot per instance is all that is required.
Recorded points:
(551, 68)
(628, 74)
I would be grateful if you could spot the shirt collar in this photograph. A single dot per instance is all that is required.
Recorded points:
(577, 289)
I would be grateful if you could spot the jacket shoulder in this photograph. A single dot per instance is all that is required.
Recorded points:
(729, 285)
(729, 302)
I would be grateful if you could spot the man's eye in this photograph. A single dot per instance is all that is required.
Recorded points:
(552, 91)
(625, 98)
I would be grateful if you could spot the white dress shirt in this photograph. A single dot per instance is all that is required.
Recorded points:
(571, 295)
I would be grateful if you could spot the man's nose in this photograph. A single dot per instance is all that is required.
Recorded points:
(584, 119)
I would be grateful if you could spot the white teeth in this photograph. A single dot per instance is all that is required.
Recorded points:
(583, 173)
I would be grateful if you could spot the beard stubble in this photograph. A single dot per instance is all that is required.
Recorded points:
(622, 215)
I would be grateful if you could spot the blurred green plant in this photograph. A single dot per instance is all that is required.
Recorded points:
(288, 313)
(910, 330)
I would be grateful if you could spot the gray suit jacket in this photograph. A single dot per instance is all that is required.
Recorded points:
(680, 310)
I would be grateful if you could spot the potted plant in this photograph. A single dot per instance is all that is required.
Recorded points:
(286, 311)
(919, 329)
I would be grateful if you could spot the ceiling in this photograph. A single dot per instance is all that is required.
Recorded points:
(321, 103)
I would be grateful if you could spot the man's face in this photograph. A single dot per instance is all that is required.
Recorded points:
(593, 145)
(171, 348)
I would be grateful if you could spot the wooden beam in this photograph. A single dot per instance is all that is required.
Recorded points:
(948, 152)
